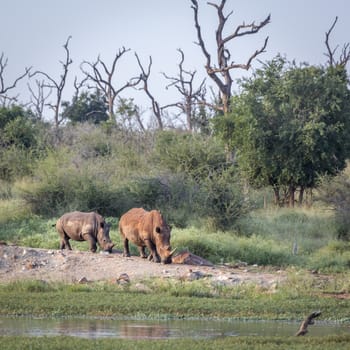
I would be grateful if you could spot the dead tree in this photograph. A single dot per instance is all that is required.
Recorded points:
(38, 98)
(220, 73)
(5, 88)
(57, 86)
(156, 108)
(345, 52)
(184, 83)
(308, 321)
(103, 77)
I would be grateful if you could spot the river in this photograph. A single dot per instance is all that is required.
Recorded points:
(151, 329)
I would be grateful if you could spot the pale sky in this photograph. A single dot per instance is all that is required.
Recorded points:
(33, 32)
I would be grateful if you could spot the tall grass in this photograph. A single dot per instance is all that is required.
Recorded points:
(228, 247)
(304, 229)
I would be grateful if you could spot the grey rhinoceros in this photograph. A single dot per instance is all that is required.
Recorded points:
(81, 226)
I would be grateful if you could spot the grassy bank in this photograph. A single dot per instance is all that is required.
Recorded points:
(165, 299)
(161, 299)
(242, 343)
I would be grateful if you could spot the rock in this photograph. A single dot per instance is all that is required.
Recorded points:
(31, 265)
(142, 288)
(83, 280)
(123, 279)
(194, 275)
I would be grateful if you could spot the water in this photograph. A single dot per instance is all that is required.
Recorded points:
(170, 329)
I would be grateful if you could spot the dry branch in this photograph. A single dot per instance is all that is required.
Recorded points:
(57, 85)
(308, 321)
(220, 73)
(3, 87)
(103, 76)
(345, 53)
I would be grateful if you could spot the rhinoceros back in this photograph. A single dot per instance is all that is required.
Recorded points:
(76, 224)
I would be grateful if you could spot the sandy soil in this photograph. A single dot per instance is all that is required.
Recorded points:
(18, 263)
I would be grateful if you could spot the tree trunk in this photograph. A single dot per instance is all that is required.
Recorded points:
(291, 196)
(277, 198)
(301, 196)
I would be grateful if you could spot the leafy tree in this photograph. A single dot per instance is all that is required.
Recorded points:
(86, 107)
(16, 127)
(291, 125)
(18, 140)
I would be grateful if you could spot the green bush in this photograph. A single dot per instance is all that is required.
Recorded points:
(197, 156)
(334, 257)
(59, 185)
(336, 193)
(221, 200)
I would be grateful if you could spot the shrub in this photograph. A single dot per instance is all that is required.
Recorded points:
(221, 200)
(336, 193)
(60, 185)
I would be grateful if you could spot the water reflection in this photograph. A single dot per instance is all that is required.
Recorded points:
(131, 329)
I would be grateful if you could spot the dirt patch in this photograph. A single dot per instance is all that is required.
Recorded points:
(20, 263)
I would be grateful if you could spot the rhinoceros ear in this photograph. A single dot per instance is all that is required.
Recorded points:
(158, 229)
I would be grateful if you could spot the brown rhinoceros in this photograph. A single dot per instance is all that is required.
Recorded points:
(146, 229)
(81, 226)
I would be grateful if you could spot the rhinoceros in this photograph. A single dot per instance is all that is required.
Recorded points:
(146, 229)
(81, 226)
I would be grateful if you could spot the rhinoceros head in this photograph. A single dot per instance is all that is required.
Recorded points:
(103, 237)
(162, 238)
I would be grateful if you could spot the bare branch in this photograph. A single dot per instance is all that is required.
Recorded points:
(38, 98)
(57, 85)
(308, 321)
(184, 83)
(345, 53)
(220, 74)
(157, 110)
(5, 88)
(102, 76)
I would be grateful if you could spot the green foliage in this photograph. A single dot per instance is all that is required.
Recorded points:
(221, 199)
(15, 162)
(333, 257)
(291, 125)
(20, 138)
(336, 193)
(196, 156)
(59, 186)
(16, 127)
(87, 107)
(216, 195)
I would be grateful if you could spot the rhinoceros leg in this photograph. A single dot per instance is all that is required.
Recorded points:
(65, 244)
(64, 241)
(126, 248)
(92, 242)
(143, 254)
(153, 256)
